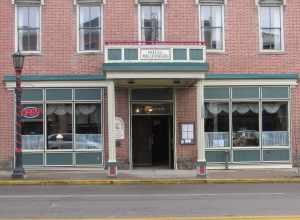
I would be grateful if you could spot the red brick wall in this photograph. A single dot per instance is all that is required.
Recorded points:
(59, 54)
(185, 112)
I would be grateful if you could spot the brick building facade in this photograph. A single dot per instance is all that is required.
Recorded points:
(234, 100)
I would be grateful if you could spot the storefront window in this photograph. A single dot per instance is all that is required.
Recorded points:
(88, 126)
(32, 127)
(59, 126)
(216, 125)
(245, 124)
(275, 123)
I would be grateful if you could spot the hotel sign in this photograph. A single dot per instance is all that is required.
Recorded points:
(155, 54)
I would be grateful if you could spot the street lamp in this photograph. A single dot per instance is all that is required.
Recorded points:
(18, 61)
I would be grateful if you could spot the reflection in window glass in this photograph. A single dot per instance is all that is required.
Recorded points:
(151, 22)
(216, 125)
(88, 126)
(245, 124)
(59, 126)
(32, 127)
(212, 26)
(28, 28)
(275, 123)
(90, 26)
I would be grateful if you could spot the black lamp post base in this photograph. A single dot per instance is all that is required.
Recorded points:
(18, 173)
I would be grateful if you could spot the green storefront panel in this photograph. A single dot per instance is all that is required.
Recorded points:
(92, 158)
(245, 92)
(131, 54)
(196, 54)
(179, 54)
(275, 92)
(216, 93)
(62, 159)
(114, 54)
(276, 155)
(32, 95)
(215, 156)
(33, 159)
(58, 94)
(246, 155)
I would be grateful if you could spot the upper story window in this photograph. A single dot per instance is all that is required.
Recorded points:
(271, 28)
(89, 27)
(28, 28)
(151, 22)
(212, 26)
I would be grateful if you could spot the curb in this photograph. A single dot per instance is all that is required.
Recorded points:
(8, 182)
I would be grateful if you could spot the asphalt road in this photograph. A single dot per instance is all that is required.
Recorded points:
(149, 200)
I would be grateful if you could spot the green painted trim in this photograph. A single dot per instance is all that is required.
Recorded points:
(252, 76)
(150, 67)
(82, 77)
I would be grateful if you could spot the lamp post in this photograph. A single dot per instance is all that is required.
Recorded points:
(18, 61)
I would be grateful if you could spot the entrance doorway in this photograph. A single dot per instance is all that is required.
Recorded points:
(152, 141)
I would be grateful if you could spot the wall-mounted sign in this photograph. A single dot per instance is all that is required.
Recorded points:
(119, 128)
(31, 112)
(187, 133)
(155, 54)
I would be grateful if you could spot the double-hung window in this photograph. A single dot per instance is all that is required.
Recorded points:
(151, 24)
(212, 25)
(271, 31)
(89, 27)
(28, 28)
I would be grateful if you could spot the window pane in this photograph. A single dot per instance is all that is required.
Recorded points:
(216, 16)
(271, 39)
(88, 94)
(95, 39)
(216, 125)
(59, 94)
(216, 93)
(245, 92)
(33, 40)
(275, 92)
(245, 124)
(206, 16)
(59, 126)
(95, 16)
(275, 123)
(88, 126)
(32, 95)
(265, 17)
(151, 23)
(84, 16)
(23, 17)
(34, 17)
(23, 40)
(32, 127)
(275, 17)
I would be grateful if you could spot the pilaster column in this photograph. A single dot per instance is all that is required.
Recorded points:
(201, 161)
(112, 162)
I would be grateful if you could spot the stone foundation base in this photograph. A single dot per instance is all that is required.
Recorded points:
(185, 163)
(6, 165)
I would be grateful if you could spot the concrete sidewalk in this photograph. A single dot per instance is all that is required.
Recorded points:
(152, 176)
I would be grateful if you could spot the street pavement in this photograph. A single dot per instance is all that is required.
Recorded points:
(71, 201)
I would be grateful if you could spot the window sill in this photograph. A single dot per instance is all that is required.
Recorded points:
(31, 53)
(90, 52)
(272, 52)
(215, 51)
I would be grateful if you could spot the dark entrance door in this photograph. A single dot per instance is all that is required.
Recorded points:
(152, 141)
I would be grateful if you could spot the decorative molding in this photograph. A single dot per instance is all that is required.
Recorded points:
(198, 2)
(75, 2)
(42, 2)
(282, 2)
(151, 1)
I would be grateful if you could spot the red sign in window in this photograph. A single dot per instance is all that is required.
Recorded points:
(31, 112)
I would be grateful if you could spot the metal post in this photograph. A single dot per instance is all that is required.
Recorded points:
(19, 171)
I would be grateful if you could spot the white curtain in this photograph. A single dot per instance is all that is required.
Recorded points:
(217, 108)
(59, 109)
(85, 109)
(243, 108)
(271, 107)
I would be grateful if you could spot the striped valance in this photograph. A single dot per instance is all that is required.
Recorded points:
(39, 2)
(271, 2)
(211, 1)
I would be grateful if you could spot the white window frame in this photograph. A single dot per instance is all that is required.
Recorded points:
(281, 32)
(33, 52)
(162, 5)
(223, 24)
(78, 32)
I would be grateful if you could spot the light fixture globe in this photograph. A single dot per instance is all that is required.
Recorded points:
(18, 60)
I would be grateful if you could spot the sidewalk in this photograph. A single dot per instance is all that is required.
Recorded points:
(152, 176)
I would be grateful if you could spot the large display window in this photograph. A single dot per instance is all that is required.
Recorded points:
(247, 124)
(62, 127)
